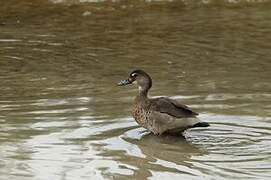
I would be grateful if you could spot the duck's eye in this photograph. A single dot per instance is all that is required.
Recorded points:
(134, 75)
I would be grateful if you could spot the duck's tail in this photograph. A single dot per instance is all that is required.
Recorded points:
(201, 124)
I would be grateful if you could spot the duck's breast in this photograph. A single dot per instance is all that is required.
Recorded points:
(142, 116)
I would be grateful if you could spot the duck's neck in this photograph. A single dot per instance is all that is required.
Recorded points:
(143, 92)
(142, 99)
(144, 87)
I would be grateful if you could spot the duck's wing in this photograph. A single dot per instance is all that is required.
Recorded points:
(171, 107)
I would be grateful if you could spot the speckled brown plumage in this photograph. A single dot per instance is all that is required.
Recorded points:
(160, 115)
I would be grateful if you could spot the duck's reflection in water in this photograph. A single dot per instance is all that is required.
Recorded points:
(147, 154)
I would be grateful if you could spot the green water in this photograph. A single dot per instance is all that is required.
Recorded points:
(63, 117)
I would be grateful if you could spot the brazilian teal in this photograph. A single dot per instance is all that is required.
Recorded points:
(159, 115)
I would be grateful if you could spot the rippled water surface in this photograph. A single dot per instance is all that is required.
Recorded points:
(63, 117)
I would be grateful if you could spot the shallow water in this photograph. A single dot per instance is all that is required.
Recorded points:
(63, 117)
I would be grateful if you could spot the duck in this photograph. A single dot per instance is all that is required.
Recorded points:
(160, 115)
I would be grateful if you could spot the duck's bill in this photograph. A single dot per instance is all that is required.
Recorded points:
(124, 82)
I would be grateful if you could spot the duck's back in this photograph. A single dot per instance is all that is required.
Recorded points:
(171, 107)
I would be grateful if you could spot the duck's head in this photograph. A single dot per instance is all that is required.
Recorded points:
(141, 78)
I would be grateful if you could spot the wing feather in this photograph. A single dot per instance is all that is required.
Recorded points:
(172, 107)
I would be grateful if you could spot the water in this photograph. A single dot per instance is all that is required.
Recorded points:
(63, 117)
